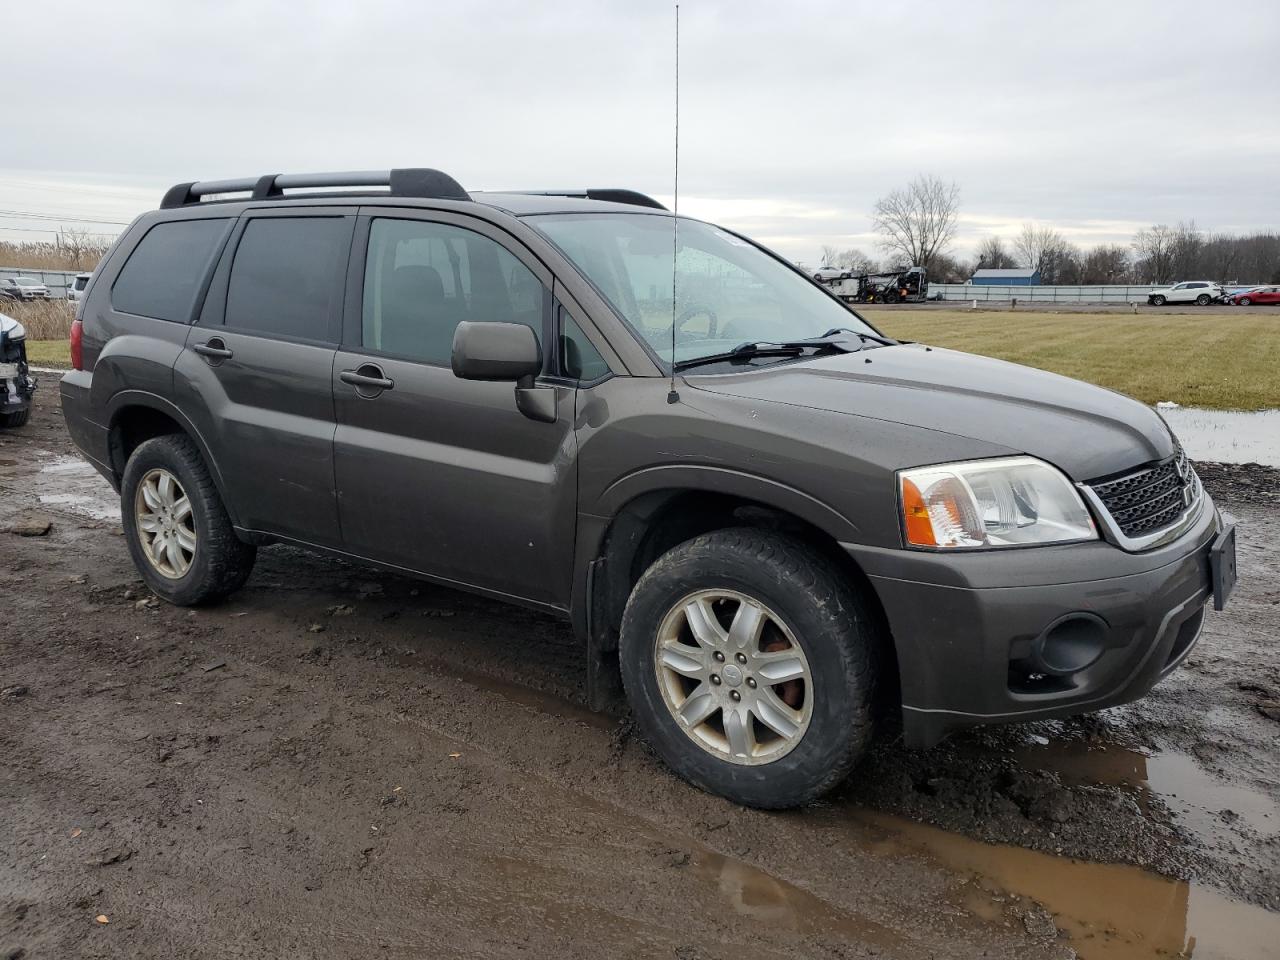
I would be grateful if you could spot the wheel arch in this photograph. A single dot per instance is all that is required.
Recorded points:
(135, 416)
(619, 546)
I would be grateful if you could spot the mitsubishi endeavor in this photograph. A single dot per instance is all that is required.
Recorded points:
(765, 516)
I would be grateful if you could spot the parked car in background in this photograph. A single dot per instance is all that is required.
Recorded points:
(1247, 298)
(23, 288)
(827, 274)
(16, 384)
(1203, 292)
(75, 290)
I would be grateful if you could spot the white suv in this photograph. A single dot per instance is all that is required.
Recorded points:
(1203, 292)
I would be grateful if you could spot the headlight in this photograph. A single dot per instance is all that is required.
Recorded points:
(1007, 502)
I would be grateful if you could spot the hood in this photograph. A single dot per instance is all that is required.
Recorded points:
(11, 328)
(1086, 431)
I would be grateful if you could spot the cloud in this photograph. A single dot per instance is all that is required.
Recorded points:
(794, 117)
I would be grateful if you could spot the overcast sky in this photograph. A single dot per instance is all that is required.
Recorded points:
(1097, 118)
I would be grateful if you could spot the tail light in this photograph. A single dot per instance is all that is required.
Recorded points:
(77, 345)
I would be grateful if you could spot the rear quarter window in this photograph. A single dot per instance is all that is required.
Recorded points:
(162, 276)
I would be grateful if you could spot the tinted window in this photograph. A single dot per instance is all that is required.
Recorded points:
(579, 359)
(422, 279)
(163, 274)
(285, 274)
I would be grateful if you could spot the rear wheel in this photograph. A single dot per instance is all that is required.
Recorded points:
(1204, 299)
(748, 660)
(16, 419)
(178, 531)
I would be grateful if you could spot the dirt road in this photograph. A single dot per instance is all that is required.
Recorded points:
(342, 763)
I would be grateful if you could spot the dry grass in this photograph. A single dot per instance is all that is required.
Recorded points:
(44, 319)
(74, 251)
(1220, 361)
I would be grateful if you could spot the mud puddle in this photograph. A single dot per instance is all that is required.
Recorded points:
(1227, 436)
(1107, 911)
(1200, 802)
(73, 485)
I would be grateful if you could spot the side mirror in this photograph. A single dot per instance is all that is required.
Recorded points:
(495, 351)
(505, 352)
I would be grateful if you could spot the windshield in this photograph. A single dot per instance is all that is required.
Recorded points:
(728, 292)
(28, 281)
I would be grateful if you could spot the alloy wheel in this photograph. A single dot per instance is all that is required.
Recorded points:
(166, 525)
(733, 676)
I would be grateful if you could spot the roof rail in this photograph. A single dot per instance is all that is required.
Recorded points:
(611, 194)
(405, 182)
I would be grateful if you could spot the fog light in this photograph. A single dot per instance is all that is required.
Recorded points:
(1071, 644)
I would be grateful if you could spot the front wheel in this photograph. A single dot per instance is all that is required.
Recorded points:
(17, 418)
(1157, 301)
(178, 531)
(749, 662)
(1204, 299)
(1244, 301)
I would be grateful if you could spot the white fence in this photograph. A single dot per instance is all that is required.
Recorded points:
(56, 280)
(1110, 293)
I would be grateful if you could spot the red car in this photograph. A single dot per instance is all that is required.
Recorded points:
(1249, 297)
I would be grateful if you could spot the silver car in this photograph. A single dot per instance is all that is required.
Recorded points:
(23, 288)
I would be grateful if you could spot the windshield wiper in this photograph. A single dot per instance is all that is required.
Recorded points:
(864, 337)
(834, 340)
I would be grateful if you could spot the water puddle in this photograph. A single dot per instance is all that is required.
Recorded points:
(1227, 436)
(73, 485)
(1109, 911)
(1200, 801)
(761, 896)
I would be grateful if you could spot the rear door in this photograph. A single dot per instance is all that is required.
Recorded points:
(1268, 295)
(436, 474)
(256, 375)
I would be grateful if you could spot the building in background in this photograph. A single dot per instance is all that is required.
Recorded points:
(1006, 278)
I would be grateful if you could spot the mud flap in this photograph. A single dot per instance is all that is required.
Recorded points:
(604, 678)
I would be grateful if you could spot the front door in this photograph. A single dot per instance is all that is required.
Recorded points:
(256, 374)
(436, 474)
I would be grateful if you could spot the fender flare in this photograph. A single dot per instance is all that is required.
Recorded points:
(124, 399)
(736, 483)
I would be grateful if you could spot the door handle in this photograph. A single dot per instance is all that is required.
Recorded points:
(214, 349)
(367, 377)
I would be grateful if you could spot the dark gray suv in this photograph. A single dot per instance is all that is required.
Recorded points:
(768, 518)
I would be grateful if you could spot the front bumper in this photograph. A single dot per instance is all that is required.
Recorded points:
(968, 627)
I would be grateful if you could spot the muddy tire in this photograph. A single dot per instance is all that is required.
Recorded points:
(780, 642)
(16, 419)
(178, 531)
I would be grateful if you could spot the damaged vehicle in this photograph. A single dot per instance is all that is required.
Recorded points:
(774, 524)
(16, 382)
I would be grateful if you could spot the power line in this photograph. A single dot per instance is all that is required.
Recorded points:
(30, 215)
(86, 233)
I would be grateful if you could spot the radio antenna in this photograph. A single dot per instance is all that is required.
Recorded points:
(672, 396)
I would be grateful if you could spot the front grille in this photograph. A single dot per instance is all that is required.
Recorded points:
(1151, 498)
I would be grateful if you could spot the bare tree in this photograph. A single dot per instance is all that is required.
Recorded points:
(992, 255)
(1105, 263)
(1154, 247)
(918, 221)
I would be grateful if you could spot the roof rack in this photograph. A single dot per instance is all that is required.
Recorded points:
(611, 194)
(405, 182)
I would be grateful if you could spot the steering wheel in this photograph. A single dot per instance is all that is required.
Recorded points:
(693, 311)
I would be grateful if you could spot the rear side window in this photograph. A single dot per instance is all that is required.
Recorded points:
(422, 279)
(163, 274)
(285, 275)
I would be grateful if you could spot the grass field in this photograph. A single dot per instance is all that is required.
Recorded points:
(1223, 362)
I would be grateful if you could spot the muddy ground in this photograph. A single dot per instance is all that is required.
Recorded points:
(339, 762)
